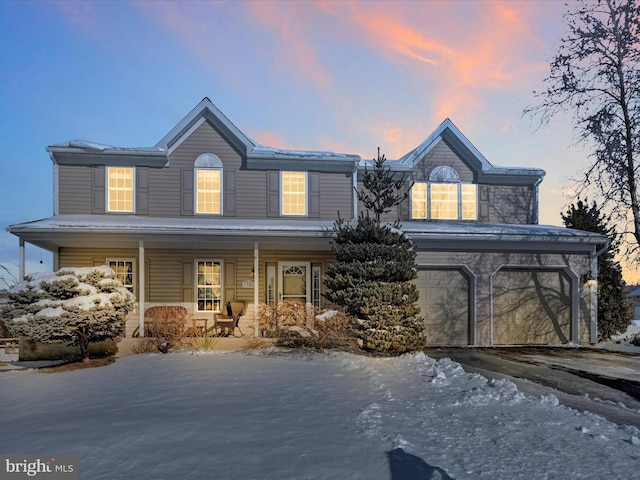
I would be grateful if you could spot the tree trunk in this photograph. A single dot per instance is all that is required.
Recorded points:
(83, 343)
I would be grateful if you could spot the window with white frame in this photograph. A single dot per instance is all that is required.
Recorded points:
(271, 285)
(120, 182)
(444, 197)
(124, 268)
(208, 285)
(293, 199)
(208, 183)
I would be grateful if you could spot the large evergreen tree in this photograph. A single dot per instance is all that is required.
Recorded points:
(613, 307)
(375, 263)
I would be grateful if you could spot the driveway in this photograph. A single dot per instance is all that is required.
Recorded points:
(604, 383)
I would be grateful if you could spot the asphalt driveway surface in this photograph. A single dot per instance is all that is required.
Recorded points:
(601, 382)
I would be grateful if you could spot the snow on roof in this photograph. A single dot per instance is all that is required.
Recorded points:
(95, 147)
(262, 149)
(265, 227)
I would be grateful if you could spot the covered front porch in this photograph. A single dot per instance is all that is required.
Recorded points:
(197, 264)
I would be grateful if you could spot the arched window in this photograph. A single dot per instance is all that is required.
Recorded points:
(444, 174)
(208, 184)
(444, 197)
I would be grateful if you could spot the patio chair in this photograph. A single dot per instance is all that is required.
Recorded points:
(227, 321)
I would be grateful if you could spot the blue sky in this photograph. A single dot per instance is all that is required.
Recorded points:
(343, 76)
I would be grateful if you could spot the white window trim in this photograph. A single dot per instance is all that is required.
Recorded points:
(134, 272)
(428, 203)
(306, 194)
(195, 284)
(106, 191)
(195, 190)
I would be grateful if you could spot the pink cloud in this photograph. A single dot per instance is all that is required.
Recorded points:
(290, 21)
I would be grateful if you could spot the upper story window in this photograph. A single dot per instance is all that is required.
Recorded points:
(208, 181)
(120, 189)
(444, 197)
(293, 193)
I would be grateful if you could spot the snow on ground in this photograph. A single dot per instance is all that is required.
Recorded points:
(271, 414)
(622, 342)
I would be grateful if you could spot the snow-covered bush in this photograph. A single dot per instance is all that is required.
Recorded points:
(294, 326)
(74, 306)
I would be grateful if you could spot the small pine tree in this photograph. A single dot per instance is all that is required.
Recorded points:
(71, 306)
(381, 191)
(614, 312)
(375, 263)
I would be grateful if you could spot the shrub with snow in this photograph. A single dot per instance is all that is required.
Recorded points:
(73, 306)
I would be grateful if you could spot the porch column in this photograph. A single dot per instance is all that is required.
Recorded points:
(21, 262)
(141, 286)
(592, 284)
(256, 287)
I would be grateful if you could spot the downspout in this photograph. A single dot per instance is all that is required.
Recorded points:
(21, 262)
(536, 197)
(56, 196)
(354, 191)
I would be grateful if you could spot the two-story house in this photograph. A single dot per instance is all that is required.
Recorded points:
(209, 215)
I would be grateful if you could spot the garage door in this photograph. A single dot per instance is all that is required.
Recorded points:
(444, 304)
(531, 308)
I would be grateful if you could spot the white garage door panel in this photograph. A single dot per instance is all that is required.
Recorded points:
(531, 308)
(444, 304)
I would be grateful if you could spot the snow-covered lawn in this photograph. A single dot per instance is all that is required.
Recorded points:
(286, 415)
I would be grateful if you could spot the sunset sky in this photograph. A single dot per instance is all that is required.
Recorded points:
(346, 76)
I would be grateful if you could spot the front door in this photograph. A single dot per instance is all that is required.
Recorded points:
(295, 281)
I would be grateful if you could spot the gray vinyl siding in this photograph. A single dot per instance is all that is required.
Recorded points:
(251, 194)
(336, 195)
(441, 154)
(169, 192)
(166, 197)
(74, 192)
(168, 282)
(511, 204)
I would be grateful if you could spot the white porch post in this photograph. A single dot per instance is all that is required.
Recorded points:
(21, 262)
(141, 286)
(256, 287)
(593, 296)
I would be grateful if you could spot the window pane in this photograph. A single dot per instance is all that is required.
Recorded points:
(209, 285)
(271, 285)
(294, 193)
(419, 200)
(444, 201)
(124, 272)
(208, 192)
(120, 189)
(469, 202)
